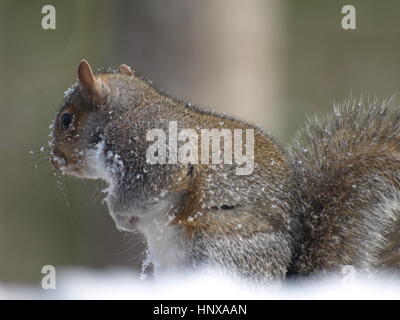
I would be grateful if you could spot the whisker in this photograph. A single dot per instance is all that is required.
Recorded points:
(136, 242)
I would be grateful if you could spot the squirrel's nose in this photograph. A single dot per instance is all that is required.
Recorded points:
(58, 159)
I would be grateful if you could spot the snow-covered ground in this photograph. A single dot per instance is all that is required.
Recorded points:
(125, 284)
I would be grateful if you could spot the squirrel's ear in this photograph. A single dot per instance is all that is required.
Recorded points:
(95, 87)
(124, 69)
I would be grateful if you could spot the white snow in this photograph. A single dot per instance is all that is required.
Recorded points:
(70, 90)
(126, 284)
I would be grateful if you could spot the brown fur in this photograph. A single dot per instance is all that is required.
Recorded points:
(329, 200)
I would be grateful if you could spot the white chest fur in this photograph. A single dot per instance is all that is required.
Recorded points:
(165, 242)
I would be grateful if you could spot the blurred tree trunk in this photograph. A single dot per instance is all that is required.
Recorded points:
(222, 54)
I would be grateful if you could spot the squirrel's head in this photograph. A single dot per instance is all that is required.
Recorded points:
(100, 133)
(79, 124)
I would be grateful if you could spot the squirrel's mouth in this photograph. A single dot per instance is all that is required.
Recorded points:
(59, 162)
(73, 168)
(79, 171)
(125, 223)
(74, 171)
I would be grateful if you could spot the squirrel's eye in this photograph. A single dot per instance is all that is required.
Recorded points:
(66, 121)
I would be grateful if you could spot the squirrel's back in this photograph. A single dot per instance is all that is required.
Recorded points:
(347, 167)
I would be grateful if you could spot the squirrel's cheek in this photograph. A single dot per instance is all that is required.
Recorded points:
(88, 172)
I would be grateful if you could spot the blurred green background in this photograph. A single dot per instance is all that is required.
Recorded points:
(271, 62)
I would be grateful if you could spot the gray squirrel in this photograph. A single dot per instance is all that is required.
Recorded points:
(328, 200)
